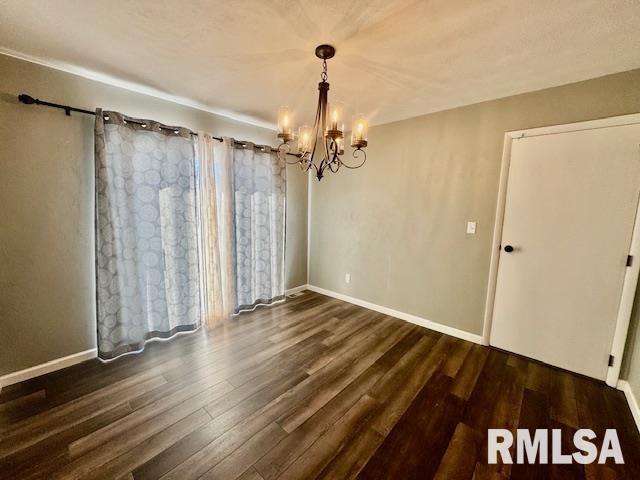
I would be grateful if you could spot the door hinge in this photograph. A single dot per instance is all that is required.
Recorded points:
(629, 260)
(611, 360)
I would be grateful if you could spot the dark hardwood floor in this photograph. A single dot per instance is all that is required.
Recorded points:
(310, 388)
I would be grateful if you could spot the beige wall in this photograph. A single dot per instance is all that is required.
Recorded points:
(296, 226)
(398, 224)
(46, 207)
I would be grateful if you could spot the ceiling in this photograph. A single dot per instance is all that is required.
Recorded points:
(395, 59)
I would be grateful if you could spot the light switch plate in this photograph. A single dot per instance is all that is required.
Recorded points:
(471, 228)
(347, 278)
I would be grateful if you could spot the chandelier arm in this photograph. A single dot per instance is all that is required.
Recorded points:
(315, 133)
(356, 154)
(283, 152)
(332, 148)
(336, 153)
(335, 158)
(320, 170)
(326, 141)
(338, 163)
(326, 151)
(315, 167)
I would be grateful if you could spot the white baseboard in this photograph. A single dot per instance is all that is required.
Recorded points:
(631, 400)
(297, 289)
(423, 322)
(47, 367)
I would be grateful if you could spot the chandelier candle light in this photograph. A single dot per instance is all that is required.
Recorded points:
(328, 128)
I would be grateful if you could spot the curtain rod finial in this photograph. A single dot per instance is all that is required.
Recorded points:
(26, 99)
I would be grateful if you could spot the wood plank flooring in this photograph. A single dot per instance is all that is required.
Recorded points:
(309, 388)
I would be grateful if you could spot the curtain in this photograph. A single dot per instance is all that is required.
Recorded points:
(243, 253)
(147, 265)
(259, 187)
(215, 217)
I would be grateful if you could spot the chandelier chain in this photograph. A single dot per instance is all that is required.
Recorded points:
(323, 75)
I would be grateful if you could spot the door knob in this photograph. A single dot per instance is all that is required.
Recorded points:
(508, 248)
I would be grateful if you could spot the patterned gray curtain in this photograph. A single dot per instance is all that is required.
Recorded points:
(256, 182)
(147, 269)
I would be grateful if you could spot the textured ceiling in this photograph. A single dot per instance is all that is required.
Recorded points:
(395, 59)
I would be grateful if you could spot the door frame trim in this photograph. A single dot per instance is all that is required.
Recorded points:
(631, 274)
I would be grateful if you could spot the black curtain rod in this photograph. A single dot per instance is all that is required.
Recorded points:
(29, 100)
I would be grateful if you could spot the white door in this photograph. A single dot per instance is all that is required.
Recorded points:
(570, 207)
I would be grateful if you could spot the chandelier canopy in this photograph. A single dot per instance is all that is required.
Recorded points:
(327, 130)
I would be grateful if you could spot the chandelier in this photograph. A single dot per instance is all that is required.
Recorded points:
(327, 130)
